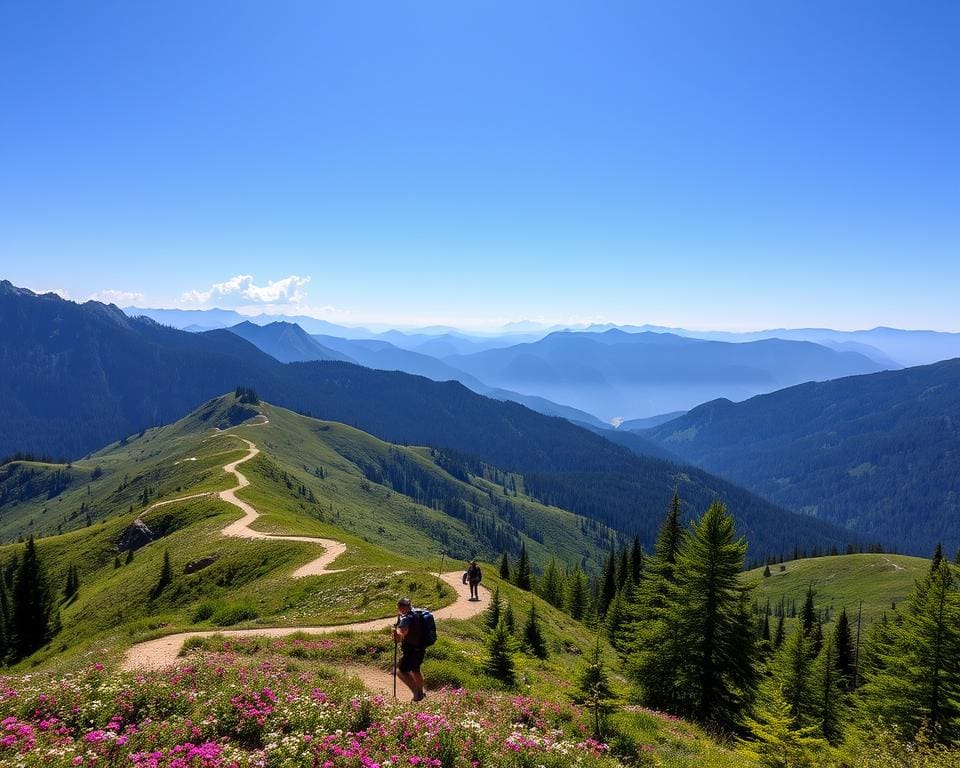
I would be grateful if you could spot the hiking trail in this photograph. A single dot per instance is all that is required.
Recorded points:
(163, 651)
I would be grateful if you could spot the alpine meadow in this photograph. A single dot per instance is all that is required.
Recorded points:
(479, 385)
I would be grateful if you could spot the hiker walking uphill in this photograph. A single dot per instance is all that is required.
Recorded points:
(473, 576)
(415, 631)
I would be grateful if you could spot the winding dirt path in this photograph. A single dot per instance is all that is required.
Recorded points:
(159, 653)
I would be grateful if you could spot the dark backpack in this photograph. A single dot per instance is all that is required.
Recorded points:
(423, 629)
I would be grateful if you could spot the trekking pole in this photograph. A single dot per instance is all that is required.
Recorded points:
(443, 553)
(395, 659)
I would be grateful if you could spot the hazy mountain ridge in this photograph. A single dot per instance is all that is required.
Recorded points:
(878, 453)
(81, 376)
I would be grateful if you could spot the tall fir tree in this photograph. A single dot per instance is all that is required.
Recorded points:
(593, 689)
(501, 647)
(31, 604)
(608, 584)
(578, 594)
(533, 640)
(505, 567)
(623, 569)
(636, 560)
(550, 585)
(6, 622)
(829, 698)
(494, 611)
(508, 617)
(780, 635)
(521, 576)
(846, 652)
(793, 668)
(706, 633)
(808, 615)
(919, 688)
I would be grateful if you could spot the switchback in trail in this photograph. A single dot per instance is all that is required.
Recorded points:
(163, 651)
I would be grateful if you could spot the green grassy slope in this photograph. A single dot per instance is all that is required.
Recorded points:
(310, 478)
(842, 581)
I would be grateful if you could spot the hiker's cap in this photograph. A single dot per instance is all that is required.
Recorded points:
(403, 601)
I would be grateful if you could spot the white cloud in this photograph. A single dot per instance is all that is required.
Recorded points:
(120, 298)
(240, 290)
(63, 293)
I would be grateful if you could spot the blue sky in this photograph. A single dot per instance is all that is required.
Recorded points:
(714, 165)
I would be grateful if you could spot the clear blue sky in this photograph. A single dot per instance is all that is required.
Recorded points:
(711, 164)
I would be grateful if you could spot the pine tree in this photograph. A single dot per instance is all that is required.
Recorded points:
(792, 670)
(636, 561)
(505, 567)
(846, 653)
(166, 575)
(593, 689)
(522, 574)
(494, 611)
(808, 616)
(829, 700)
(776, 742)
(616, 623)
(129, 556)
(578, 596)
(508, 617)
(500, 649)
(533, 640)
(623, 569)
(816, 638)
(780, 634)
(701, 654)
(551, 585)
(608, 588)
(31, 604)
(937, 558)
(116, 561)
(920, 686)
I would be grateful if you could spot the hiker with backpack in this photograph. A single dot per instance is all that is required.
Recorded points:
(415, 631)
(472, 576)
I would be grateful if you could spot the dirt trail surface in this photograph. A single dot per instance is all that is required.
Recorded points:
(155, 654)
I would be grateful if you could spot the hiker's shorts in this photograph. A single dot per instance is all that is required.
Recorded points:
(411, 659)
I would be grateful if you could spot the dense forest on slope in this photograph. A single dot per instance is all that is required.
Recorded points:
(878, 454)
(77, 377)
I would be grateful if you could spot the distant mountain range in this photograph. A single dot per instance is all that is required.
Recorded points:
(76, 377)
(524, 362)
(879, 454)
(633, 375)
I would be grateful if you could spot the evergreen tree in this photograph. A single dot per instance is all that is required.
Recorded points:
(508, 617)
(816, 638)
(500, 649)
(522, 574)
(72, 584)
(776, 742)
(780, 634)
(920, 686)
(551, 587)
(937, 558)
(846, 653)
(116, 561)
(793, 673)
(593, 689)
(623, 569)
(616, 622)
(700, 655)
(31, 604)
(578, 594)
(505, 567)
(829, 701)
(129, 556)
(494, 611)
(808, 616)
(533, 640)
(608, 588)
(636, 560)
(166, 575)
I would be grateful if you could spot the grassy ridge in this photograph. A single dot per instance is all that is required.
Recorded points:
(881, 581)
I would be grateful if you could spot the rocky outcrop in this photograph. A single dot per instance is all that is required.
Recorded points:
(136, 535)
